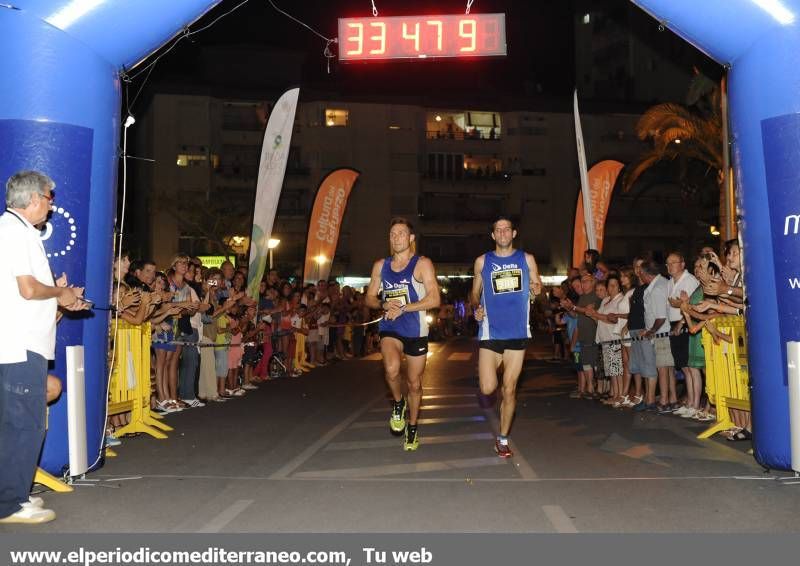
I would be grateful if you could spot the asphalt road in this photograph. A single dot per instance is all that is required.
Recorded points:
(314, 454)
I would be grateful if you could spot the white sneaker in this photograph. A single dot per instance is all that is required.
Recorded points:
(681, 412)
(239, 392)
(36, 501)
(249, 387)
(688, 413)
(193, 403)
(30, 514)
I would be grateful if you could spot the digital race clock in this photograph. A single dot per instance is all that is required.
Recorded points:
(420, 37)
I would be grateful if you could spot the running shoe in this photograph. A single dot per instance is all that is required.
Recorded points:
(502, 449)
(397, 420)
(412, 439)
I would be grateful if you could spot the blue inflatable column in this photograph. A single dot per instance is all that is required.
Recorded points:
(761, 43)
(60, 113)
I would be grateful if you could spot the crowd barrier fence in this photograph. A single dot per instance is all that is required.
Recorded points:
(129, 390)
(727, 375)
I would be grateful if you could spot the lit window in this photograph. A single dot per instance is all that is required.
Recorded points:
(587, 18)
(191, 159)
(335, 117)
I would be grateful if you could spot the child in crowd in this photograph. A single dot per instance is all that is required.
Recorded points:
(323, 320)
(265, 339)
(250, 334)
(235, 353)
(300, 328)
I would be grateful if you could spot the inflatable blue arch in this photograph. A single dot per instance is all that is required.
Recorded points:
(759, 40)
(60, 113)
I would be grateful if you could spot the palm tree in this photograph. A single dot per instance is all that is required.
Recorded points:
(687, 135)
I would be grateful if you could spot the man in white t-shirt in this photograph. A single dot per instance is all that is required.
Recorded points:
(656, 320)
(29, 298)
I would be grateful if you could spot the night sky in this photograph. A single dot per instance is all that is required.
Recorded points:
(539, 35)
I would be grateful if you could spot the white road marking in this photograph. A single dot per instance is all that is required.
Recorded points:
(218, 523)
(396, 469)
(523, 467)
(301, 458)
(459, 357)
(559, 519)
(449, 395)
(443, 420)
(433, 407)
(393, 443)
(211, 478)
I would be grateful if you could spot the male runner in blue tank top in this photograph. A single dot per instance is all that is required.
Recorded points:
(404, 286)
(505, 282)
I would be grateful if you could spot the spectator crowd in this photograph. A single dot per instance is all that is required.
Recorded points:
(212, 342)
(633, 332)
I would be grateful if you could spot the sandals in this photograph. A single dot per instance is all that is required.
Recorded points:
(703, 417)
(742, 434)
(731, 432)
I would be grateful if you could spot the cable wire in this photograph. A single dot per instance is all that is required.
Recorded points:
(469, 5)
(327, 52)
(305, 25)
(186, 33)
(374, 9)
(128, 122)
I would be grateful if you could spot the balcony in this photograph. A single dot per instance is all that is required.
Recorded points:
(477, 134)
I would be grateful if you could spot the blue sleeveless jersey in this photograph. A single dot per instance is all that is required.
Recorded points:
(505, 297)
(401, 286)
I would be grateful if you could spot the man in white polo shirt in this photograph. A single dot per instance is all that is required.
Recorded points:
(681, 281)
(28, 301)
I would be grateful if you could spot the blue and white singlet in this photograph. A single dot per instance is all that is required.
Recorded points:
(505, 297)
(401, 286)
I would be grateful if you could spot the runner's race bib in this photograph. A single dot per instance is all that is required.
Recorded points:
(507, 281)
(399, 295)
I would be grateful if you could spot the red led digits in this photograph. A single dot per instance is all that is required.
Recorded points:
(468, 29)
(437, 25)
(412, 36)
(358, 39)
(380, 39)
(418, 37)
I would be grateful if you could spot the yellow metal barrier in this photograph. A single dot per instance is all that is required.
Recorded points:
(129, 390)
(51, 481)
(727, 375)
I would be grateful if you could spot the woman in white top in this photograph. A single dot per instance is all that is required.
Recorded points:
(609, 333)
(628, 279)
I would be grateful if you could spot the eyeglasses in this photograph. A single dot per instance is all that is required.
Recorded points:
(49, 197)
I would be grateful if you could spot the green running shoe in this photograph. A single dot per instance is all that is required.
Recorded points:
(397, 420)
(412, 439)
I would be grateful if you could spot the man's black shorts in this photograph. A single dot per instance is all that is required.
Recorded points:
(417, 346)
(680, 349)
(500, 346)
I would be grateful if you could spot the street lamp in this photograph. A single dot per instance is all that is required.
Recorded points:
(272, 244)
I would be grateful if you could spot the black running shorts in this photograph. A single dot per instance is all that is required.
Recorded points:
(417, 346)
(500, 346)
